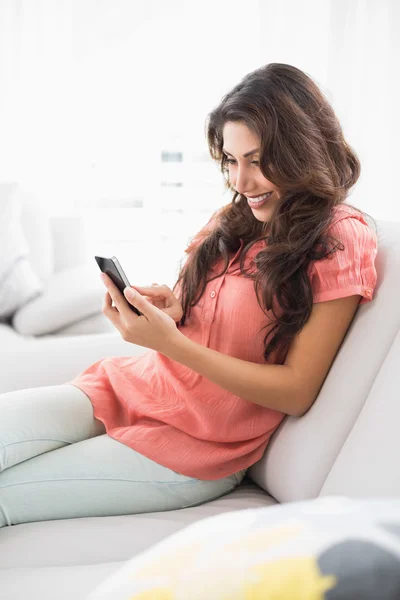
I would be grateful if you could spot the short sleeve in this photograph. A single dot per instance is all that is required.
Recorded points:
(349, 271)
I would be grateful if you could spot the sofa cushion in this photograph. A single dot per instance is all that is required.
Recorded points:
(73, 556)
(69, 583)
(302, 451)
(109, 539)
(9, 339)
(324, 548)
(92, 324)
(19, 284)
(61, 304)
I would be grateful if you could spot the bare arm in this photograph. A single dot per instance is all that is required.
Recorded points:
(290, 388)
(272, 386)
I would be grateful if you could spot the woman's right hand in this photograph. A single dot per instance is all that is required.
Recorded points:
(163, 298)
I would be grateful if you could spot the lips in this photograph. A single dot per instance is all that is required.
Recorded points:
(259, 203)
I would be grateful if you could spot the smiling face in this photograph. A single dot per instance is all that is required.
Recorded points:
(244, 171)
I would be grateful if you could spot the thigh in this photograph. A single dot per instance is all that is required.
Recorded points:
(37, 420)
(98, 477)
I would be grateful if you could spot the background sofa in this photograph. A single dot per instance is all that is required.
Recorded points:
(66, 290)
(347, 444)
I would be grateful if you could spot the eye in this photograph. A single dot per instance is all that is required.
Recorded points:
(231, 161)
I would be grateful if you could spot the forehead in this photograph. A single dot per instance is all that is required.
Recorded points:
(238, 138)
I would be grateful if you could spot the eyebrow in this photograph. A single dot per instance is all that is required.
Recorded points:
(244, 155)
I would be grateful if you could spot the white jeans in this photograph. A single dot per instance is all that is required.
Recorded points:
(57, 462)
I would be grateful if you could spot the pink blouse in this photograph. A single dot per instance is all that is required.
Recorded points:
(178, 418)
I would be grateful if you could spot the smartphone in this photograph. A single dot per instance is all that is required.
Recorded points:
(113, 269)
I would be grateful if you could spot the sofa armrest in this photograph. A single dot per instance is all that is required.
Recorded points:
(55, 360)
(68, 297)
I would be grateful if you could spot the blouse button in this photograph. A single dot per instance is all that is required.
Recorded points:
(212, 294)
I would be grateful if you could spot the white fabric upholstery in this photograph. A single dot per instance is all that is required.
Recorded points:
(368, 461)
(70, 583)
(18, 281)
(51, 283)
(48, 360)
(91, 324)
(303, 451)
(67, 298)
(110, 539)
(35, 221)
(13, 242)
(69, 241)
(19, 286)
(83, 552)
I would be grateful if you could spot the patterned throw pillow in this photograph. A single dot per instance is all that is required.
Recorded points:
(328, 548)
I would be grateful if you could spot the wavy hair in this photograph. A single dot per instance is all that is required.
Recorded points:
(303, 152)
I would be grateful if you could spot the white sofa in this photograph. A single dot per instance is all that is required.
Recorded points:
(347, 444)
(71, 295)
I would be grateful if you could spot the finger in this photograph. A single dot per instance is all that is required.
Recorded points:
(108, 302)
(118, 298)
(150, 291)
(110, 312)
(138, 301)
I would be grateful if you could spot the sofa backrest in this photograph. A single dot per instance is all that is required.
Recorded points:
(348, 442)
(55, 242)
(36, 225)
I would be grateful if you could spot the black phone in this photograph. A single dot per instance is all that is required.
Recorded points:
(113, 269)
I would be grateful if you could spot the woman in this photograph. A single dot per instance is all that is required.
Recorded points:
(232, 349)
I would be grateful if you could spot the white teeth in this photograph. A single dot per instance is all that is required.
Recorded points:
(260, 198)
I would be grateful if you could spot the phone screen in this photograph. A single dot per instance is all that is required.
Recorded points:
(113, 269)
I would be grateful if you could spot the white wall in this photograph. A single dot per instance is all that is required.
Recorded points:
(352, 50)
(78, 78)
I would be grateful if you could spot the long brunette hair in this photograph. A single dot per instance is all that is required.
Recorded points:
(303, 152)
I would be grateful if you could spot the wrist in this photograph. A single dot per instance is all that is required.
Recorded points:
(176, 344)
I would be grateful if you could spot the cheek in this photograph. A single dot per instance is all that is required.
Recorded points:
(264, 179)
(232, 177)
(267, 184)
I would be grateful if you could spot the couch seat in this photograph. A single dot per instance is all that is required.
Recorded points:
(68, 558)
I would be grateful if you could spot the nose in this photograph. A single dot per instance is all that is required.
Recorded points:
(242, 181)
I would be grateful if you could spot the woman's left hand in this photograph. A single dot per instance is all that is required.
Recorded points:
(153, 329)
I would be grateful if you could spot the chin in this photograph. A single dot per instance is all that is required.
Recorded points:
(262, 215)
